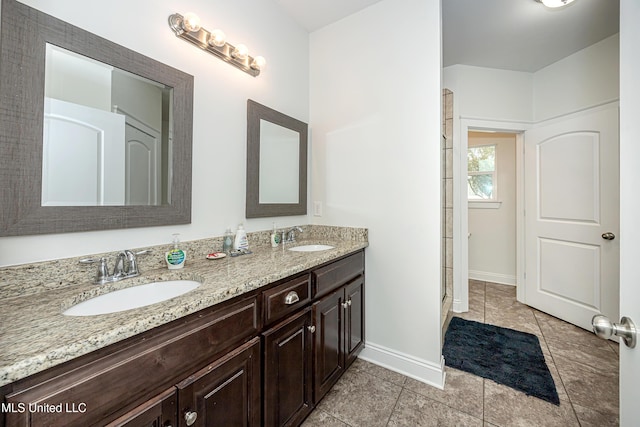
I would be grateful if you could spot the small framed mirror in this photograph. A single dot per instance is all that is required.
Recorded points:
(276, 163)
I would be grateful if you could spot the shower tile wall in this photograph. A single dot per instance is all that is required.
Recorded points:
(447, 202)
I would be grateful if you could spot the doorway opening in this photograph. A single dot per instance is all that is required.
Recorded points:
(492, 197)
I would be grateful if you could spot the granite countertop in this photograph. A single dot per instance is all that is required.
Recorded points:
(35, 335)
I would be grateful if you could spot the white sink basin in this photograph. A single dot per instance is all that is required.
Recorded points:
(310, 248)
(133, 297)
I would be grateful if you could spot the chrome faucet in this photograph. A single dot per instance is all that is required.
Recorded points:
(290, 236)
(126, 266)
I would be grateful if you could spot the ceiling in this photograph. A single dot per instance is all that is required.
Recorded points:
(519, 35)
(315, 14)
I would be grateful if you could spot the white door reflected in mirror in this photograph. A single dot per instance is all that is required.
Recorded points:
(106, 134)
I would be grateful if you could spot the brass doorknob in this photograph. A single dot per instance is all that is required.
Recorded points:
(608, 236)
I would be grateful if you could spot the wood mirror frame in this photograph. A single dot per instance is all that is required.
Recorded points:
(25, 32)
(255, 209)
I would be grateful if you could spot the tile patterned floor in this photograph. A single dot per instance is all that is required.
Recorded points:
(584, 368)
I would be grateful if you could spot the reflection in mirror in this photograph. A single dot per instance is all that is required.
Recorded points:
(276, 163)
(279, 168)
(106, 134)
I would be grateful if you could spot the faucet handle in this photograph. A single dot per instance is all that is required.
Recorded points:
(102, 276)
(133, 262)
(103, 271)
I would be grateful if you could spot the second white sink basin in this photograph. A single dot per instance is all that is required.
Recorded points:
(133, 297)
(310, 248)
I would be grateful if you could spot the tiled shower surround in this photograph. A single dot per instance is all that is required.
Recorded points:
(447, 201)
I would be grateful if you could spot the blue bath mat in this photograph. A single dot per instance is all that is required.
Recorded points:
(508, 357)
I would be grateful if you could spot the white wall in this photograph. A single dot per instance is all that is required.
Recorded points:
(585, 79)
(492, 245)
(375, 115)
(219, 122)
(486, 93)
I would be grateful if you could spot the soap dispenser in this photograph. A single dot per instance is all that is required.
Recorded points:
(227, 241)
(176, 257)
(275, 237)
(241, 242)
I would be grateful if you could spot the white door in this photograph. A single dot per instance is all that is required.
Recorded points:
(143, 177)
(571, 202)
(83, 156)
(629, 205)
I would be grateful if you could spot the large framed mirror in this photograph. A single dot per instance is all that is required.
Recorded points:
(276, 163)
(93, 135)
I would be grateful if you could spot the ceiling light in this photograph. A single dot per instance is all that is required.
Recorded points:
(554, 3)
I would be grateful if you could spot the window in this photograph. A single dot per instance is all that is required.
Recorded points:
(482, 179)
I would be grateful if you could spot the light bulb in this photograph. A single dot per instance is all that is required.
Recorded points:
(217, 38)
(556, 3)
(240, 52)
(191, 22)
(258, 63)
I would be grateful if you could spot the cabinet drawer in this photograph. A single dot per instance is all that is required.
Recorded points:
(110, 386)
(286, 298)
(334, 275)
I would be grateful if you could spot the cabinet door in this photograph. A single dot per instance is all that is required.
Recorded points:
(329, 348)
(288, 371)
(354, 319)
(160, 411)
(225, 393)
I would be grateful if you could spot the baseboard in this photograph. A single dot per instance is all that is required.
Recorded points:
(459, 307)
(418, 369)
(485, 276)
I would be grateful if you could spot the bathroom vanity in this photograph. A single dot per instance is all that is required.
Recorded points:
(265, 354)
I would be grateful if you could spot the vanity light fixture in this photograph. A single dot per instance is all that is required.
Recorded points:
(188, 28)
(554, 3)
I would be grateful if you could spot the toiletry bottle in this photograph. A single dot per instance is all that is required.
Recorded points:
(241, 241)
(275, 237)
(227, 241)
(175, 257)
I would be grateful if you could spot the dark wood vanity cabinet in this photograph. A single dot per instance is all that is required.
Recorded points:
(354, 319)
(225, 393)
(288, 357)
(261, 359)
(339, 333)
(124, 378)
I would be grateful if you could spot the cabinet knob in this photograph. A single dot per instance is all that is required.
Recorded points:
(311, 329)
(349, 302)
(190, 417)
(291, 298)
(345, 305)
